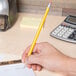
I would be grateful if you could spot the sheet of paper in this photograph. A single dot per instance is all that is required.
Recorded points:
(8, 57)
(1, 57)
(15, 70)
(29, 22)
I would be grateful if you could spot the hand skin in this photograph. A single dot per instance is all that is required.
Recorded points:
(46, 56)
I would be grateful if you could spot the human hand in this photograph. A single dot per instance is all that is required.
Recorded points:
(45, 56)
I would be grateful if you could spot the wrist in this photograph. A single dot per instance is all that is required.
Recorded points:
(71, 66)
(64, 63)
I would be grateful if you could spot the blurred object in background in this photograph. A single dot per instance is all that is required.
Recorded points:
(8, 14)
(59, 7)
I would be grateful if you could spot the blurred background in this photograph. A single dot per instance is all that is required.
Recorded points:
(59, 7)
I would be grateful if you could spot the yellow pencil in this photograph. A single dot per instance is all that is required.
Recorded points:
(39, 29)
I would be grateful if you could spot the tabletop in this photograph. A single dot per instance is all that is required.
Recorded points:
(15, 40)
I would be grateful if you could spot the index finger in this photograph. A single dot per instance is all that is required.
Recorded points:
(25, 54)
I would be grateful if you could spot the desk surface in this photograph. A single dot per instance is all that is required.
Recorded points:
(15, 40)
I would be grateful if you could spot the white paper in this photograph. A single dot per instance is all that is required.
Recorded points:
(2, 56)
(8, 57)
(15, 70)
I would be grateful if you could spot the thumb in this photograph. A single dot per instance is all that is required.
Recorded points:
(34, 59)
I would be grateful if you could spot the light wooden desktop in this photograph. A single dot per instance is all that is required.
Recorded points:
(14, 41)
